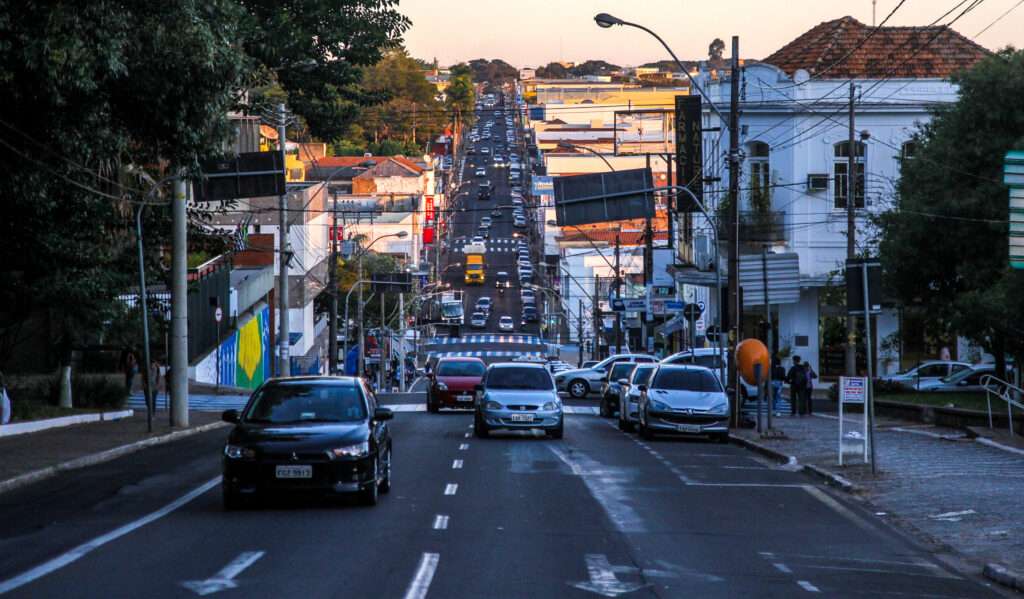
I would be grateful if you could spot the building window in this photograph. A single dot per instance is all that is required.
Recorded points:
(760, 178)
(841, 169)
(909, 149)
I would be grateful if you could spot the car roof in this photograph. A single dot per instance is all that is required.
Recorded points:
(683, 367)
(459, 359)
(499, 365)
(339, 381)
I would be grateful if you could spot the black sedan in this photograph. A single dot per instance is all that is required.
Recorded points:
(308, 434)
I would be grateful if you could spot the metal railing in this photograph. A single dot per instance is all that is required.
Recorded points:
(1004, 391)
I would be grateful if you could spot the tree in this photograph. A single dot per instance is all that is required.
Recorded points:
(715, 49)
(593, 67)
(943, 243)
(496, 71)
(553, 70)
(460, 95)
(412, 113)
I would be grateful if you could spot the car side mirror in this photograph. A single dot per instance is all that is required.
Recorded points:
(623, 381)
(642, 387)
(478, 387)
(229, 416)
(382, 414)
(730, 391)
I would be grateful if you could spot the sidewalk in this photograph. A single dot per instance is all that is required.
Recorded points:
(34, 456)
(956, 495)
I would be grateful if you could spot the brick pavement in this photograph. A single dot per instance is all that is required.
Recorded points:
(954, 493)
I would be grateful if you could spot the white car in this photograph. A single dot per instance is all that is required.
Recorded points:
(477, 239)
(478, 320)
(506, 324)
(484, 305)
(486, 221)
(485, 151)
(481, 173)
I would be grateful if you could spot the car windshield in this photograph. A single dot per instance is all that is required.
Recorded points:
(685, 379)
(306, 402)
(956, 376)
(460, 369)
(642, 374)
(451, 310)
(534, 379)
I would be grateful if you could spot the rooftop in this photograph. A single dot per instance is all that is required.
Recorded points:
(845, 48)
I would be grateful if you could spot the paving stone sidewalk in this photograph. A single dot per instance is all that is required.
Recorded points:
(953, 493)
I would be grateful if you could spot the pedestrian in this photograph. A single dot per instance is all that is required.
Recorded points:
(130, 364)
(809, 389)
(797, 379)
(944, 354)
(5, 402)
(778, 376)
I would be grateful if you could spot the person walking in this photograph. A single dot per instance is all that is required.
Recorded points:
(809, 389)
(130, 364)
(5, 402)
(797, 379)
(778, 376)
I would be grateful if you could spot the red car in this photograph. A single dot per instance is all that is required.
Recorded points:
(452, 381)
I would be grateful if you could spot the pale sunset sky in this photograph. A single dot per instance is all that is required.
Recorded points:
(531, 33)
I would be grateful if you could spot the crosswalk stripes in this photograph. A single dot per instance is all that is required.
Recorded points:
(485, 354)
(196, 401)
(496, 244)
(521, 339)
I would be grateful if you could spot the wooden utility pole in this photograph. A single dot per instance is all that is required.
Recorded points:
(851, 240)
(735, 308)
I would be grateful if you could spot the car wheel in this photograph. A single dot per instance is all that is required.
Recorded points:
(559, 432)
(233, 500)
(605, 409)
(645, 433)
(479, 428)
(578, 389)
(431, 407)
(385, 485)
(368, 496)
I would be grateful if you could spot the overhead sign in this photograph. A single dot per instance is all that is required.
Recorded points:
(1013, 176)
(782, 272)
(628, 304)
(604, 197)
(392, 282)
(855, 285)
(247, 175)
(543, 185)
(689, 150)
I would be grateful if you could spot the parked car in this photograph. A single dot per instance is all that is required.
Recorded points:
(609, 405)
(308, 434)
(589, 363)
(506, 324)
(518, 396)
(967, 380)
(629, 396)
(926, 372)
(451, 383)
(583, 381)
(684, 400)
(706, 356)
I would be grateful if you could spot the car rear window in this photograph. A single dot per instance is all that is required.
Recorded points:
(621, 371)
(686, 380)
(460, 369)
(519, 378)
(278, 404)
(642, 374)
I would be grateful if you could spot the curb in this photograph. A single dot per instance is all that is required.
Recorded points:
(791, 461)
(103, 456)
(1004, 576)
(32, 426)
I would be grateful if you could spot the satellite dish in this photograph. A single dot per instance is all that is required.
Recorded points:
(801, 76)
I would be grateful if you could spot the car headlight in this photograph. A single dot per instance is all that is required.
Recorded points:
(722, 408)
(657, 405)
(551, 405)
(492, 405)
(237, 452)
(351, 451)
(441, 386)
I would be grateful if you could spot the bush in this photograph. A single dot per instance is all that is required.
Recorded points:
(87, 391)
(884, 387)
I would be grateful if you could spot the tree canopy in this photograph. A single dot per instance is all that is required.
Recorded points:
(943, 246)
(593, 67)
(496, 71)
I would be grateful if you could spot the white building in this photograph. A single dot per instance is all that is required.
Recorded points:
(794, 142)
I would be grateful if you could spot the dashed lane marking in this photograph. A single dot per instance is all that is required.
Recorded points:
(463, 446)
(451, 489)
(457, 464)
(781, 567)
(440, 522)
(808, 586)
(420, 584)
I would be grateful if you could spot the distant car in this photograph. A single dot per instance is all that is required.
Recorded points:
(502, 280)
(505, 323)
(486, 221)
(557, 366)
(629, 395)
(496, 212)
(475, 240)
(484, 305)
(609, 405)
(967, 380)
(530, 314)
(483, 231)
(451, 383)
(481, 172)
(529, 293)
(685, 400)
(926, 373)
(519, 222)
(583, 381)
(304, 434)
(526, 276)
(518, 396)
(478, 320)
(485, 151)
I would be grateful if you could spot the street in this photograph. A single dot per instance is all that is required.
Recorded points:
(600, 513)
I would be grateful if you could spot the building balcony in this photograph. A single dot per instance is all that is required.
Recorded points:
(755, 226)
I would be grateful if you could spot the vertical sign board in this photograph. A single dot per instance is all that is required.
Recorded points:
(428, 209)
(1013, 176)
(853, 389)
(689, 148)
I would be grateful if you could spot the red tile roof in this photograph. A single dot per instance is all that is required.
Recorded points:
(336, 161)
(626, 238)
(897, 52)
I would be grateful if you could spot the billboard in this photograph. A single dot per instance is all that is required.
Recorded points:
(604, 197)
(689, 150)
(542, 185)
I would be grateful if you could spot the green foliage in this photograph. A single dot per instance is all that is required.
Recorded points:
(943, 245)
(593, 67)
(496, 71)
(553, 70)
(89, 391)
(460, 95)
(716, 49)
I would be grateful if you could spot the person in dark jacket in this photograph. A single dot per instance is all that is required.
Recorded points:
(811, 375)
(797, 379)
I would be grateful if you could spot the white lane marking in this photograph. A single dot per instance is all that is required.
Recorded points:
(406, 407)
(808, 586)
(451, 489)
(783, 568)
(457, 464)
(608, 485)
(840, 509)
(468, 435)
(440, 522)
(424, 574)
(464, 447)
(80, 551)
(223, 580)
(603, 580)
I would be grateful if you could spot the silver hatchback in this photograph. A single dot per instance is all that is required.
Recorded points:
(686, 400)
(517, 396)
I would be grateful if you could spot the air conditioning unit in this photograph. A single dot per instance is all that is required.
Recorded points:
(703, 252)
(817, 182)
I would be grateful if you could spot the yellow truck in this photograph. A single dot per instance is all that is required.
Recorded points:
(475, 263)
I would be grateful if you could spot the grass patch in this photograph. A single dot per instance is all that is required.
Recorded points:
(967, 401)
(26, 411)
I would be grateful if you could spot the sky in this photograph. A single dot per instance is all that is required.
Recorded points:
(531, 33)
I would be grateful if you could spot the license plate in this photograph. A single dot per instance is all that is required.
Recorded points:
(294, 471)
(521, 417)
(464, 398)
(688, 428)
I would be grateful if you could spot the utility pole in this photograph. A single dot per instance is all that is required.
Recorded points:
(361, 362)
(332, 277)
(380, 347)
(579, 334)
(851, 241)
(648, 276)
(618, 313)
(734, 224)
(283, 337)
(595, 351)
(401, 342)
(179, 306)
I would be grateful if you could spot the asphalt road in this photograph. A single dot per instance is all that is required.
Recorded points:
(596, 514)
